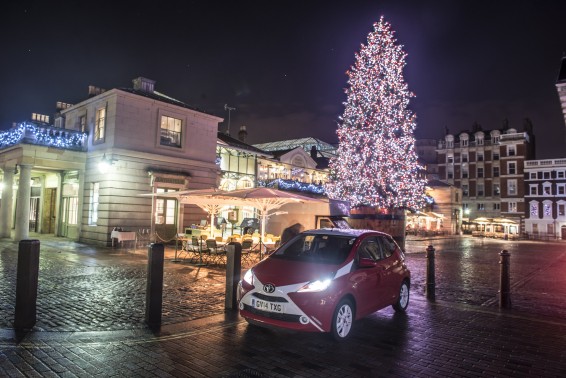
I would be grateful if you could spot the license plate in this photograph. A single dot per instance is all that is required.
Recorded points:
(268, 306)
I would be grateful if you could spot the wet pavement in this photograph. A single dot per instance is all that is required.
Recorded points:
(90, 319)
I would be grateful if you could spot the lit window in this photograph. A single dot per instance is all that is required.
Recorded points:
(534, 209)
(547, 210)
(170, 131)
(165, 209)
(496, 190)
(512, 187)
(512, 207)
(561, 210)
(100, 124)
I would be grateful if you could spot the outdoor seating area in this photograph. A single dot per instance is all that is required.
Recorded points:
(213, 251)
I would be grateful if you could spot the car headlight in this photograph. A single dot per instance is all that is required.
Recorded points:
(318, 285)
(249, 277)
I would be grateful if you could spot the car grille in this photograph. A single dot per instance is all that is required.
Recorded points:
(273, 315)
(270, 299)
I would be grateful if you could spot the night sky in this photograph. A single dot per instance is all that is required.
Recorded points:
(282, 64)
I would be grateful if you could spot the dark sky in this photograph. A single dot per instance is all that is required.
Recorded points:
(282, 64)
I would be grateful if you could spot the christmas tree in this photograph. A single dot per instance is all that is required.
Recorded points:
(376, 163)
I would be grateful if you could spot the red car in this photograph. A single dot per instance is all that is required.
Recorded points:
(323, 280)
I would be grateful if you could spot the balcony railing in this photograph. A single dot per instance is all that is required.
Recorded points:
(43, 135)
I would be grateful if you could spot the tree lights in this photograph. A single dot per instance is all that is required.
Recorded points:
(376, 163)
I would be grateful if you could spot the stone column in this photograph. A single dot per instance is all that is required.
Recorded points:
(7, 203)
(23, 205)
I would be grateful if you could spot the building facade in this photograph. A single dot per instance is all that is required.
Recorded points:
(488, 166)
(545, 198)
(85, 177)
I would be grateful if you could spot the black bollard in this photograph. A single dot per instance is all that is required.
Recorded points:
(26, 284)
(233, 273)
(154, 289)
(430, 280)
(505, 280)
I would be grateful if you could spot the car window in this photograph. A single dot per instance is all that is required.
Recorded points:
(370, 249)
(388, 246)
(329, 249)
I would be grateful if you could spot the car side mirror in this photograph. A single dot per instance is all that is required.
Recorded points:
(364, 262)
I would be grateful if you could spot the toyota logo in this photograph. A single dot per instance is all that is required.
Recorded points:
(269, 288)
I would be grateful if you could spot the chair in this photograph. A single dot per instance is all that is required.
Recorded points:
(216, 253)
(197, 248)
(247, 245)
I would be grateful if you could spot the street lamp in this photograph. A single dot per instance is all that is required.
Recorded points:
(226, 107)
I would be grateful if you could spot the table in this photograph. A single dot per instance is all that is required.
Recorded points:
(122, 236)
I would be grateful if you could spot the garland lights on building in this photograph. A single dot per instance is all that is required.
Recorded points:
(376, 163)
(43, 135)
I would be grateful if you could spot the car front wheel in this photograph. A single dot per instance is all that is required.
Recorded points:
(342, 320)
(403, 300)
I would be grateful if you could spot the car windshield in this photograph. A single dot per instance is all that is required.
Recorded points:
(325, 249)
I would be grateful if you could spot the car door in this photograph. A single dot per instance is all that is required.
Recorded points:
(390, 265)
(367, 281)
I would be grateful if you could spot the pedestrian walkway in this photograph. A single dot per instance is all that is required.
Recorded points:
(90, 324)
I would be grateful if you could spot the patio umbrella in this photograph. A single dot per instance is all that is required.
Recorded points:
(265, 200)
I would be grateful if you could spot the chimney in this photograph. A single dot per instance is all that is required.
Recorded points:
(242, 134)
(313, 152)
(144, 85)
(94, 91)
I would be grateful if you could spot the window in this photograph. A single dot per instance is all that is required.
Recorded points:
(534, 209)
(512, 207)
(465, 190)
(480, 141)
(561, 189)
(533, 175)
(496, 189)
(546, 175)
(450, 159)
(450, 174)
(495, 155)
(495, 171)
(561, 210)
(560, 174)
(480, 172)
(170, 131)
(512, 168)
(100, 125)
(496, 206)
(533, 190)
(546, 189)
(464, 143)
(93, 205)
(480, 156)
(481, 206)
(495, 139)
(511, 151)
(480, 190)
(512, 187)
(464, 172)
(82, 123)
(465, 207)
(547, 209)
(464, 158)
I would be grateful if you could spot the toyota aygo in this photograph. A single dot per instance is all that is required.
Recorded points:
(323, 280)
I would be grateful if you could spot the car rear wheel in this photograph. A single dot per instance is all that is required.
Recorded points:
(403, 300)
(342, 320)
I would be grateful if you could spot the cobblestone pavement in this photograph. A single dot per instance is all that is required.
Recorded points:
(91, 311)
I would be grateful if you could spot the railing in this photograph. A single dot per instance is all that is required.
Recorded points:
(545, 163)
(44, 135)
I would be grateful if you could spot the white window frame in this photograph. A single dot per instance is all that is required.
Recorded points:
(546, 189)
(93, 203)
(511, 150)
(561, 189)
(512, 207)
(533, 209)
(512, 188)
(511, 165)
(100, 125)
(533, 190)
(547, 209)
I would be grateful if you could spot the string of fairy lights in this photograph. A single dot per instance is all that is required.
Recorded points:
(43, 135)
(376, 163)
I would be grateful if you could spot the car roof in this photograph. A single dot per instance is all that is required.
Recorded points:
(344, 232)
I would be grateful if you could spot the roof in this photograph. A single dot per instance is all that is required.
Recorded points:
(438, 183)
(239, 145)
(562, 73)
(289, 144)
(164, 98)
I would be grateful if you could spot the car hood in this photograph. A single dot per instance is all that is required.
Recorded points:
(282, 272)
